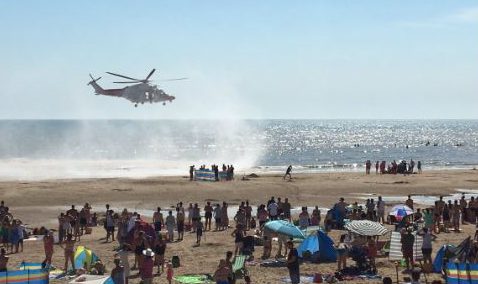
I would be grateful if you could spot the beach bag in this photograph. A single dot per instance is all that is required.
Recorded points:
(175, 261)
(318, 278)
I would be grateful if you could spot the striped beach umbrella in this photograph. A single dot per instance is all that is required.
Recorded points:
(366, 228)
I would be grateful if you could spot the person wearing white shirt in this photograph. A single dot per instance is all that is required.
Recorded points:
(273, 210)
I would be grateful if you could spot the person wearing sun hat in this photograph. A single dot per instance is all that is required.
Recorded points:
(146, 270)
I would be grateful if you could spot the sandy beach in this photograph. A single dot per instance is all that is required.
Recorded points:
(38, 203)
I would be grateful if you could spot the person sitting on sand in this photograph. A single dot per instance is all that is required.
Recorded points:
(304, 219)
(69, 247)
(221, 275)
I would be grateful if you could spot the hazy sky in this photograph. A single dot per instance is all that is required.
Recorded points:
(245, 59)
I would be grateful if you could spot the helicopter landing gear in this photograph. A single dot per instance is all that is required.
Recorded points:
(135, 105)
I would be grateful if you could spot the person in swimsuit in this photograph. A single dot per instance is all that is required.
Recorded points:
(69, 247)
(208, 214)
(48, 241)
(158, 220)
(159, 251)
(238, 235)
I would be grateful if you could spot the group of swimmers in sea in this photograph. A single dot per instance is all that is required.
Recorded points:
(394, 168)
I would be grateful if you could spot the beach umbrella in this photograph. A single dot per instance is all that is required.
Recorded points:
(285, 228)
(399, 211)
(84, 257)
(366, 228)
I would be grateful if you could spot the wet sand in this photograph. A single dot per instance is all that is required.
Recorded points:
(40, 202)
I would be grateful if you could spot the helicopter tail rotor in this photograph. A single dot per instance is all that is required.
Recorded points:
(93, 80)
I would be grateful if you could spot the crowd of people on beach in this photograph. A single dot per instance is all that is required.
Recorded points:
(394, 168)
(149, 240)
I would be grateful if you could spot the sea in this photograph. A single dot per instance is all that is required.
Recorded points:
(57, 149)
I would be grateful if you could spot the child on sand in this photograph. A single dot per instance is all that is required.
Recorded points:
(170, 273)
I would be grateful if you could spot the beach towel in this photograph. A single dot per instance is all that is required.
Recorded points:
(92, 279)
(194, 278)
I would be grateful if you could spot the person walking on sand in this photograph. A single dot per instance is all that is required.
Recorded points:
(288, 172)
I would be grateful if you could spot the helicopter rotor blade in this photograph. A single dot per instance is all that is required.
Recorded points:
(174, 79)
(130, 82)
(149, 75)
(122, 76)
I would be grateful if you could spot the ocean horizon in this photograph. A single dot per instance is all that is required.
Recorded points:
(46, 149)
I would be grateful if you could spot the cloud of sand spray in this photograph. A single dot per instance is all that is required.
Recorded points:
(89, 148)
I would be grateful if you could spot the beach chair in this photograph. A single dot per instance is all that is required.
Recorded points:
(238, 267)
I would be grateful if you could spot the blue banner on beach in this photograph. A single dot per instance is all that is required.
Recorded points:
(208, 175)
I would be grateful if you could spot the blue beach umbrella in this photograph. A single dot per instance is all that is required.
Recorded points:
(285, 228)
